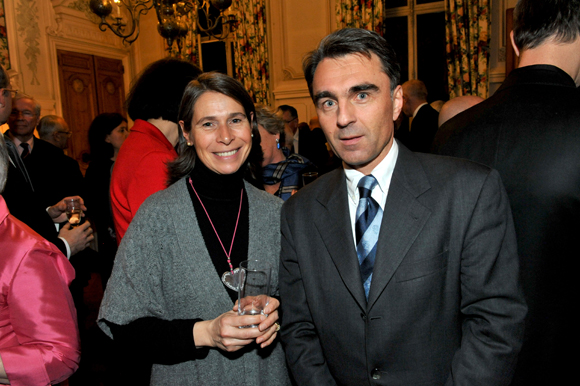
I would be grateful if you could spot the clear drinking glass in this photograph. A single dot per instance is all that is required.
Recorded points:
(73, 211)
(254, 287)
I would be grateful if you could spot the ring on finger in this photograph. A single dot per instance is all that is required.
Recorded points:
(277, 326)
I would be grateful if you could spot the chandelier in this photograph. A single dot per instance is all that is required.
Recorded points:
(122, 17)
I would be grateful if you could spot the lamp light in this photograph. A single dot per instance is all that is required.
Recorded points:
(122, 17)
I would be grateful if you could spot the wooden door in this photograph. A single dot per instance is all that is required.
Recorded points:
(90, 85)
(110, 86)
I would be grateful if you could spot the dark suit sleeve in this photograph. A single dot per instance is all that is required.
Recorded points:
(492, 303)
(299, 337)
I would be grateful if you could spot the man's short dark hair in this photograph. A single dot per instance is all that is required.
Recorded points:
(349, 41)
(292, 110)
(535, 21)
(158, 90)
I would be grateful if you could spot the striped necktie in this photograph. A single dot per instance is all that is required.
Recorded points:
(367, 226)
(26, 150)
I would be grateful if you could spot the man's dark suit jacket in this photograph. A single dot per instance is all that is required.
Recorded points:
(24, 204)
(312, 145)
(54, 175)
(423, 129)
(529, 130)
(445, 306)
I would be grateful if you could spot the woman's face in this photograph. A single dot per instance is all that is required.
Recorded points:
(269, 145)
(118, 136)
(221, 132)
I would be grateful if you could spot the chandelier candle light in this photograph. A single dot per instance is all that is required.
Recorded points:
(122, 17)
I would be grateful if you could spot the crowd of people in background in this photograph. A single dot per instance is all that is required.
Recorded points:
(410, 242)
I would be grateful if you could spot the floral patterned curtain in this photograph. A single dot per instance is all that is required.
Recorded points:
(251, 48)
(367, 14)
(467, 25)
(4, 56)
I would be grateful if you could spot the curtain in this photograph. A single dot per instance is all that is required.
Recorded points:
(251, 48)
(467, 27)
(4, 56)
(366, 14)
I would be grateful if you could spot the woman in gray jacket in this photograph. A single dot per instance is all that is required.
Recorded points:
(169, 301)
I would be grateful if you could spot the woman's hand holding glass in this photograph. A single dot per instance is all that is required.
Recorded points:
(224, 332)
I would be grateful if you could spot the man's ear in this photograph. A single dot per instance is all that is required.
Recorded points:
(516, 49)
(397, 102)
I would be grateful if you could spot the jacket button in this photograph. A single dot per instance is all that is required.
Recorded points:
(376, 374)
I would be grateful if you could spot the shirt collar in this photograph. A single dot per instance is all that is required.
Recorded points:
(17, 143)
(418, 107)
(382, 172)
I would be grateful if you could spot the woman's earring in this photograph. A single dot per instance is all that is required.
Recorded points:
(277, 143)
(252, 135)
(189, 144)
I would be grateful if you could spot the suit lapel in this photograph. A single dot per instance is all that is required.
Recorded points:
(403, 220)
(333, 223)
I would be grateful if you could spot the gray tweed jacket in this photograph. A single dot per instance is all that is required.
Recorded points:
(163, 270)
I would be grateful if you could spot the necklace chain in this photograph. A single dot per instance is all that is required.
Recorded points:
(216, 233)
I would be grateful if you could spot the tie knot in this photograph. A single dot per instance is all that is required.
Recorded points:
(366, 185)
(25, 150)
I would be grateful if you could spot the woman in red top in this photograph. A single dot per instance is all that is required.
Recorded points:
(140, 168)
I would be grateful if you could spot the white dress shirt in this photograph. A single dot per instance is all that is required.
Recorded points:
(383, 173)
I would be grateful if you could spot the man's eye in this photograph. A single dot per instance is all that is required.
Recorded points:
(362, 95)
(328, 103)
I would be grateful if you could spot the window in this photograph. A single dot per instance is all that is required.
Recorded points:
(416, 30)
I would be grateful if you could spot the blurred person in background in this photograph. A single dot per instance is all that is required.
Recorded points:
(140, 169)
(107, 133)
(282, 171)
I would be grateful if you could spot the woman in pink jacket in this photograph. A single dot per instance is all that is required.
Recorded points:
(39, 340)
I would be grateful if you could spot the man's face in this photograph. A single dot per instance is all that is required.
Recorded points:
(290, 121)
(353, 100)
(23, 119)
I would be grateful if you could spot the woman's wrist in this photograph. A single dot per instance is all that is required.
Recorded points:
(201, 334)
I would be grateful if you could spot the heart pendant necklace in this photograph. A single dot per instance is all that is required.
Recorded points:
(229, 278)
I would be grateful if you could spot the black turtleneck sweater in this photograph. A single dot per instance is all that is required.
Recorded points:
(221, 196)
(171, 341)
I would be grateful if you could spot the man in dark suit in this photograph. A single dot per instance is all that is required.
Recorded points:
(529, 130)
(299, 139)
(36, 180)
(430, 294)
(424, 124)
(53, 174)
